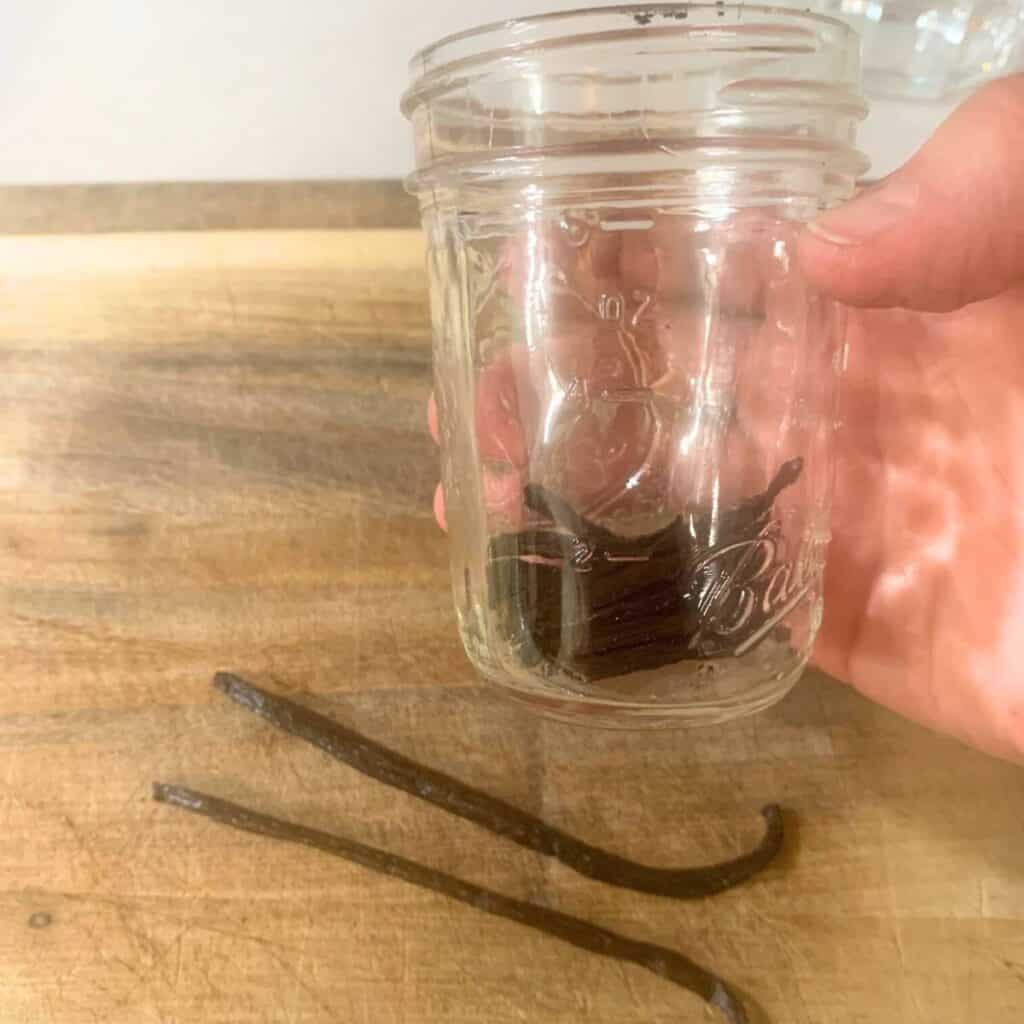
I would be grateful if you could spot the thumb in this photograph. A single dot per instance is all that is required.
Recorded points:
(944, 230)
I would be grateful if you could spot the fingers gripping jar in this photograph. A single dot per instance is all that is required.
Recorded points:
(637, 389)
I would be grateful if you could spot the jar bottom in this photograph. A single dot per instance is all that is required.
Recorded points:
(736, 693)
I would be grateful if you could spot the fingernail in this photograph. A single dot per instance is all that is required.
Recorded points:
(440, 511)
(876, 210)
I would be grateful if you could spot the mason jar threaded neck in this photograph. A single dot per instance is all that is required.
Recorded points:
(732, 98)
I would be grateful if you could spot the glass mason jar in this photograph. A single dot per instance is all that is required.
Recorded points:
(927, 49)
(637, 389)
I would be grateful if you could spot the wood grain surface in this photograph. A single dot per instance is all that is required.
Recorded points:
(205, 206)
(212, 455)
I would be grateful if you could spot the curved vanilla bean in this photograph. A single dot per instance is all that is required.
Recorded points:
(546, 503)
(495, 815)
(539, 499)
(666, 963)
(575, 598)
(757, 508)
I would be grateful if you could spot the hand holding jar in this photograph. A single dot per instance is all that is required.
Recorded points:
(925, 588)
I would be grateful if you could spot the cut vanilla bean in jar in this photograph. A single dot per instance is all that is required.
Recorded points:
(597, 605)
(627, 351)
(495, 815)
(665, 963)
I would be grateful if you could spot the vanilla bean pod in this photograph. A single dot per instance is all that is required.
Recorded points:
(501, 818)
(592, 604)
(665, 963)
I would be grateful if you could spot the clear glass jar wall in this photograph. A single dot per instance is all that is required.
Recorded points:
(637, 389)
(927, 49)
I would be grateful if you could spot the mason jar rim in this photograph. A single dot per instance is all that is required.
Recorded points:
(515, 36)
(638, 89)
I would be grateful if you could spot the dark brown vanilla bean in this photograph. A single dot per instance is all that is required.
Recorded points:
(495, 815)
(593, 605)
(665, 963)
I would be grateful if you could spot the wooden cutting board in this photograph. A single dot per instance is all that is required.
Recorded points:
(212, 455)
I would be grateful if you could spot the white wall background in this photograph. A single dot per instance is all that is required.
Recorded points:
(157, 90)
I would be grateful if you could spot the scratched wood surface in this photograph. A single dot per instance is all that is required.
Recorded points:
(212, 456)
